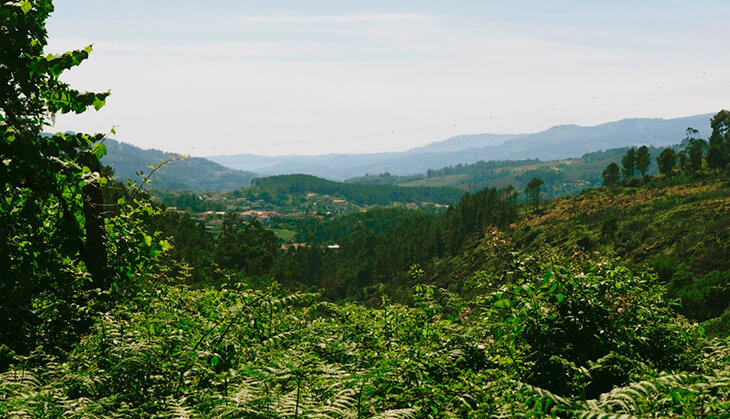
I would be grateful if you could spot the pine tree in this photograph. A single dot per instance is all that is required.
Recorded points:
(718, 151)
(628, 161)
(611, 175)
(533, 190)
(666, 161)
(643, 159)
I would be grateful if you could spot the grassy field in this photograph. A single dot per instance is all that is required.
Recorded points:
(284, 234)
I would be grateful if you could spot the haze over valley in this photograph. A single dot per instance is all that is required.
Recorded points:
(558, 142)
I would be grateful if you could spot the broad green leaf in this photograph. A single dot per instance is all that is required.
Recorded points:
(99, 103)
(165, 245)
(99, 150)
(25, 6)
(503, 303)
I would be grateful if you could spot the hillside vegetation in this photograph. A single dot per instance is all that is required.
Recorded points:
(561, 177)
(183, 174)
(112, 305)
(276, 186)
(680, 230)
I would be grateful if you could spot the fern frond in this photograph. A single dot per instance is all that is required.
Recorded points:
(544, 394)
(178, 410)
(408, 413)
(18, 380)
(332, 372)
(289, 406)
(603, 415)
(624, 399)
(276, 340)
(340, 406)
(289, 300)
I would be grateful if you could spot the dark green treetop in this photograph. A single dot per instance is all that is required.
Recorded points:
(718, 150)
(666, 161)
(533, 190)
(611, 175)
(628, 161)
(643, 159)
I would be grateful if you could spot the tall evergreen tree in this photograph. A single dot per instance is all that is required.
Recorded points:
(718, 151)
(228, 252)
(690, 157)
(695, 152)
(628, 161)
(643, 159)
(666, 161)
(533, 190)
(611, 175)
(259, 248)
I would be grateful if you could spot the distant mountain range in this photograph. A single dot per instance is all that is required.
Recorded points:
(559, 142)
(191, 174)
(218, 173)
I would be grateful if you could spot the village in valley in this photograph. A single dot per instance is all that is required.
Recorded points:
(282, 215)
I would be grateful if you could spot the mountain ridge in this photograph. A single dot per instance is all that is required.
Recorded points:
(557, 142)
(189, 173)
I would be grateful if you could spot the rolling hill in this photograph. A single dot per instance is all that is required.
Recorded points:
(559, 142)
(191, 174)
(562, 177)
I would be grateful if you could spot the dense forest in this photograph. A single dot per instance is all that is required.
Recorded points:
(188, 173)
(610, 303)
(274, 186)
(561, 177)
(295, 194)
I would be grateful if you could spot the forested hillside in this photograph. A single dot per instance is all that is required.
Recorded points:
(380, 194)
(288, 203)
(561, 177)
(606, 304)
(182, 174)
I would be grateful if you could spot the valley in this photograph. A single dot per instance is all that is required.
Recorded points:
(576, 272)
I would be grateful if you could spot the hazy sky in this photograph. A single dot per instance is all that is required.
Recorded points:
(311, 77)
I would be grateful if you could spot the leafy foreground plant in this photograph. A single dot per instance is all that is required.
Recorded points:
(569, 340)
(65, 253)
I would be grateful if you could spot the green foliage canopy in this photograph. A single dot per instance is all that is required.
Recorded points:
(533, 190)
(51, 233)
(611, 175)
(666, 161)
(59, 253)
(628, 163)
(718, 152)
(643, 159)
(362, 194)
